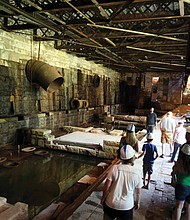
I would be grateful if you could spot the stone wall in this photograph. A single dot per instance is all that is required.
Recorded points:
(26, 105)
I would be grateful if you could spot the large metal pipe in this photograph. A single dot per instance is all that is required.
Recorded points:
(44, 75)
(76, 103)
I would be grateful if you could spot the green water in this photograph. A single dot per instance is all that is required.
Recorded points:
(38, 180)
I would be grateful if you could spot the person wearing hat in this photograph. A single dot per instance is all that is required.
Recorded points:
(150, 153)
(123, 181)
(130, 138)
(179, 139)
(167, 127)
(182, 188)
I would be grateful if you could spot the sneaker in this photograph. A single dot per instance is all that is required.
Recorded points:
(162, 156)
(146, 187)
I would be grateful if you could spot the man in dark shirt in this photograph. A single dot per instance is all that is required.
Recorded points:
(151, 121)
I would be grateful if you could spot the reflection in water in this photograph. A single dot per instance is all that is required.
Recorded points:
(43, 192)
(40, 179)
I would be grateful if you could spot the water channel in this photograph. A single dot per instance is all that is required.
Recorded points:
(39, 180)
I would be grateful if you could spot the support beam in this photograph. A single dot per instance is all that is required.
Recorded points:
(100, 8)
(138, 32)
(159, 62)
(32, 17)
(155, 51)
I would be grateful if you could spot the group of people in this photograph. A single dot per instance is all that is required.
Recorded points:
(122, 188)
(170, 133)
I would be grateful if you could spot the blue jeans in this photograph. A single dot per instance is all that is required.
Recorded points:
(176, 147)
(150, 128)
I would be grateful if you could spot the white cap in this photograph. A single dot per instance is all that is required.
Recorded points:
(150, 136)
(188, 129)
(186, 149)
(169, 113)
(131, 127)
(180, 122)
(127, 152)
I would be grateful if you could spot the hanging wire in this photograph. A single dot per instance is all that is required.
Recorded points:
(39, 47)
(31, 45)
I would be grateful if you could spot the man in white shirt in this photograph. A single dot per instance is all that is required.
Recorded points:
(167, 127)
(123, 181)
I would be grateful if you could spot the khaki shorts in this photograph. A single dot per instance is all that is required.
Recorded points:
(166, 137)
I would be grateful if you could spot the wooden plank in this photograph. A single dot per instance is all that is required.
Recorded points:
(68, 210)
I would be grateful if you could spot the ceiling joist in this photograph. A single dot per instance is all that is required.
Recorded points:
(130, 35)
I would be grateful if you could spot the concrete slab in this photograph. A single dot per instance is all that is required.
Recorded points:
(90, 138)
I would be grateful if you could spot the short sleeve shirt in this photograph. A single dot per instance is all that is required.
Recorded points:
(149, 152)
(151, 118)
(167, 124)
(124, 180)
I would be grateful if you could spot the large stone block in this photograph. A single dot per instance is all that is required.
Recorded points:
(19, 211)
(41, 142)
(3, 201)
(41, 132)
(111, 143)
(103, 154)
